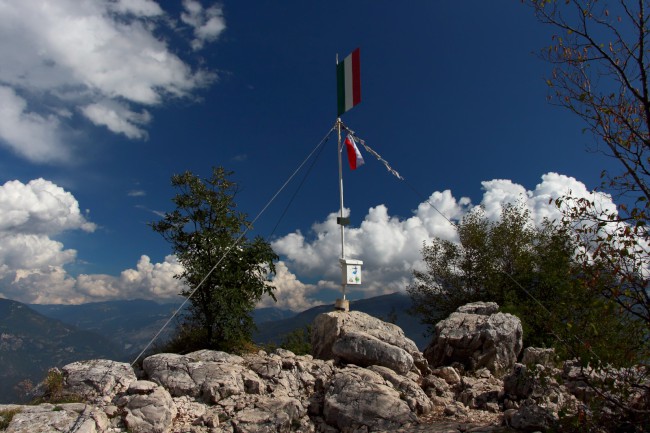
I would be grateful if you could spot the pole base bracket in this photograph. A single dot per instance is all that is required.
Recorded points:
(342, 305)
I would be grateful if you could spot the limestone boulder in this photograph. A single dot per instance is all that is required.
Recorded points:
(270, 414)
(448, 374)
(259, 392)
(96, 378)
(172, 371)
(410, 391)
(538, 356)
(361, 398)
(207, 374)
(149, 408)
(46, 418)
(518, 384)
(358, 338)
(477, 336)
(480, 308)
(531, 417)
(437, 389)
(364, 350)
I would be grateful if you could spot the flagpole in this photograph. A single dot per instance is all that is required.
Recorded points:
(341, 304)
(340, 151)
(348, 90)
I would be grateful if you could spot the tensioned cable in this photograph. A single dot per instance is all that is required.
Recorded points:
(426, 199)
(225, 254)
(82, 416)
(311, 166)
(397, 175)
(609, 398)
(561, 340)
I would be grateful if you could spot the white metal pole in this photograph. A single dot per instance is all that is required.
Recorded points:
(338, 122)
(341, 221)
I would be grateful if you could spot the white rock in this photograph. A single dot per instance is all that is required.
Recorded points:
(359, 397)
(97, 378)
(476, 340)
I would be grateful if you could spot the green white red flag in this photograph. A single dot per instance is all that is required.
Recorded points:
(348, 81)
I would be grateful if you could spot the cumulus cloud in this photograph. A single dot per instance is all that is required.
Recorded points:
(32, 264)
(118, 118)
(147, 281)
(28, 134)
(53, 285)
(207, 23)
(29, 215)
(143, 8)
(390, 246)
(291, 293)
(98, 58)
(39, 207)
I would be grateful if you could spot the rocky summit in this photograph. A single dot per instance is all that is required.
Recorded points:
(364, 376)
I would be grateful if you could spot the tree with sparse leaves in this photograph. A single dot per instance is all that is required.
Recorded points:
(601, 62)
(224, 271)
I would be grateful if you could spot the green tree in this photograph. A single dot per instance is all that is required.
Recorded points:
(226, 273)
(470, 270)
(529, 271)
(298, 341)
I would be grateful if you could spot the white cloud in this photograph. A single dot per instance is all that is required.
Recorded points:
(498, 192)
(117, 118)
(39, 207)
(291, 293)
(30, 251)
(30, 135)
(95, 56)
(144, 8)
(390, 246)
(207, 23)
(32, 265)
(40, 286)
(147, 281)
(53, 285)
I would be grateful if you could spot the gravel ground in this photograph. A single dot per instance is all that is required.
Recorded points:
(476, 422)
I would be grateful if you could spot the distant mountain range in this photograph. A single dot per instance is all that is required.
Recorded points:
(31, 343)
(130, 325)
(34, 338)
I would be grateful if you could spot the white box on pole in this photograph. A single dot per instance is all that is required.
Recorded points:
(351, 270)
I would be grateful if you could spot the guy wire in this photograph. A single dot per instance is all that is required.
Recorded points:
(311, 166)
(456, 226)
(225, 254)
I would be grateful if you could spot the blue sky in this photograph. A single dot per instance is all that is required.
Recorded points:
(105, 100)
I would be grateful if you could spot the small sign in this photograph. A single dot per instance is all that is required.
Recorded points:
(353, 274)
(351, 271)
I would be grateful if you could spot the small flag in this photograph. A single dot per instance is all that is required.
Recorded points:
(348, 81)
(376, 155)
(354, 155)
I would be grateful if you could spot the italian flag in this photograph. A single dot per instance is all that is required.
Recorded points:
(348, 81)
(354, 156)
